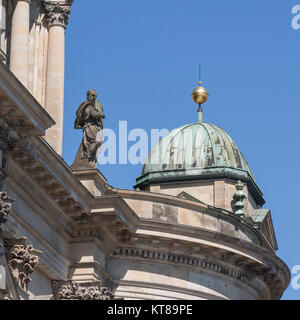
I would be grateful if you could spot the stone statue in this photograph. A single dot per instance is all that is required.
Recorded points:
(89, 118)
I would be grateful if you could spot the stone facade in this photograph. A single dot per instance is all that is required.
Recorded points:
(70, 235)
(33, 46)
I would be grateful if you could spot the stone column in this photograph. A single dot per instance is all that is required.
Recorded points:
(19, 50)
(57, 16)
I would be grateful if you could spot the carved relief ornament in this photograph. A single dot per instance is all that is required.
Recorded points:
(22, 260)
(70, 290)
(57, 13)
(5, 207)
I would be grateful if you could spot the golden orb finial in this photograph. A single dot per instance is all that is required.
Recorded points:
(200, 94)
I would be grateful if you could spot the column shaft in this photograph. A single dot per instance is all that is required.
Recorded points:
(19, 51)
(57, 15)
(55, 85)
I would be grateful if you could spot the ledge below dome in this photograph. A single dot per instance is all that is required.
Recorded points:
(200, 174)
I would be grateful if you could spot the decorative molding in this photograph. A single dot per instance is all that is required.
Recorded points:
(3, 56)
(8, 125)
(15, 96)
(14, 125)
(5, 207)
(57, 14)
(267, 275)
(70, 290)
(184, 260)
(124, 236)
(219, 213)
(48, 212)
(238, 199)
(186, 196)
(22, 260)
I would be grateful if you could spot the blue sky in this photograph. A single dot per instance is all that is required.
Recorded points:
(143, 57)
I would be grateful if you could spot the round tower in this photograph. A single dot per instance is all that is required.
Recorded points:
(203, 233)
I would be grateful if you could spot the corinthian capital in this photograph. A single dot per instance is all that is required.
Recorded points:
(57, 13)
(22, 260)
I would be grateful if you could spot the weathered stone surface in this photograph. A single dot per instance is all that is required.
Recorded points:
(5, 207)
(2, 278)
(22, 260)
(165, 212)
(89, 118)
(69, 290)
(20, 41)
(171, 240)
(57, 13)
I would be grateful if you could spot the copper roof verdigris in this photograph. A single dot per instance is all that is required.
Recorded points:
(196, 145)
(196, 151)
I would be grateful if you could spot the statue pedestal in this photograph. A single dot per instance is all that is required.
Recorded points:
(83, 165)
(93, 180)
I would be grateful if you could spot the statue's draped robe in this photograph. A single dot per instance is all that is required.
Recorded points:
(89, 119)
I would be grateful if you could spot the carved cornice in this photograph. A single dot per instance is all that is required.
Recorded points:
(15, 96)
(28, 171)
(184, 260)
(36, 196)
(5, 207)
(57, 14)
(220, 214)
(70, 290)
(8, 125)
(22, 260)
(13, 125)
(251, 273)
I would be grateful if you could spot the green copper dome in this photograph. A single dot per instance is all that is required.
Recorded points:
(195, 146)
(192, 152)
